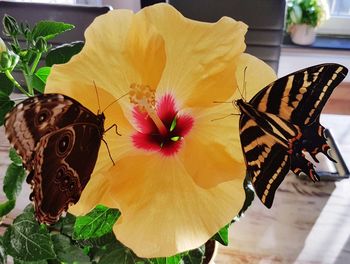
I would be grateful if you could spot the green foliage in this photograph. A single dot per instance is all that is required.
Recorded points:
(6, 105)
(39, 78)
(16, 160)
(27, 240)
(222, 235)
(3, 257)
(97, 223)
(195, 256)
(13, 180)
(26, 56)
(50, 29)
(6, 85)
(6, 207)
(309, 12)
(68, 252)
(118, 254)
(63, 53)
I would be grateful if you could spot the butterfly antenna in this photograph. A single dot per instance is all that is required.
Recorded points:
(239, 91)
(245, 84)
(98, 98)
(116, 100)
(220, 118)
(222, 102)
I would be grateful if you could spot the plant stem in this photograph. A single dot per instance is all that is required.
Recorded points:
(35, 62)
(28, 77)
(18, 86)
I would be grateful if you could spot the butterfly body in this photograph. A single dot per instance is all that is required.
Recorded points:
(58, 140)
(281, 123)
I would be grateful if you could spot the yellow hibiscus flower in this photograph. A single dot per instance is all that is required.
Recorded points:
(179, 169)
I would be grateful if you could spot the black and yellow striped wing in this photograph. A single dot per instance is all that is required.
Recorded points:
(300, 96)
(281, 122)
(266, 157)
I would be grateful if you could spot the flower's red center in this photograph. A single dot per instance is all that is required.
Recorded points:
(161, 127)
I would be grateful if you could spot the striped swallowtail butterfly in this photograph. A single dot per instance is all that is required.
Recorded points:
(281, 123)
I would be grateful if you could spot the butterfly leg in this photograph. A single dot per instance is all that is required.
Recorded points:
(116, 129)
(109, 152)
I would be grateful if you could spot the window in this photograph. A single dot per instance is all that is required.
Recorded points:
(339, 21)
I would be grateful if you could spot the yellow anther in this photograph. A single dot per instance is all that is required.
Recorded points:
(143, 96)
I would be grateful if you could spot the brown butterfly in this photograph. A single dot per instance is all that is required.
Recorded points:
(58, 140)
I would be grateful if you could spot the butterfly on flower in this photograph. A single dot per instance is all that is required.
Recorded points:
(58, 140)
(281, 122)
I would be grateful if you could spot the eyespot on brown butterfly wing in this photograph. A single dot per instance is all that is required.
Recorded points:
(58, 140)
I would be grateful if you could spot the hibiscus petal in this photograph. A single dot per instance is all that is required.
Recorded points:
(219, 123)
(255, 73)
(156, 206)
(207, 49)
(121, 49)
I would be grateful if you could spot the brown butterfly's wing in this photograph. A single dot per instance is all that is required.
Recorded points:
(35, 128)
(37, 116)
(64, 160)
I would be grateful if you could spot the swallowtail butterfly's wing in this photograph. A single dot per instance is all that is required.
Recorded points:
(267, 159)
(285, 121)
(300, 96)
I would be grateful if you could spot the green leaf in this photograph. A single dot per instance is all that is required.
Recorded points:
(222, 235)
(98, 241)
(14, 157)
(50, 29)
(39, 78)
(7, 207)
(169, 260)
(66, 251)
(6, 86)
(116, 253)
(17, 261)
(98, 222)
(13, 180)
(66, 224)
(63, 53)
(26, 240)
(43, 73)
(195, 256)
(38, 84)
(3, 256)
(6, 104)
(29, 209)
(296, 14)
